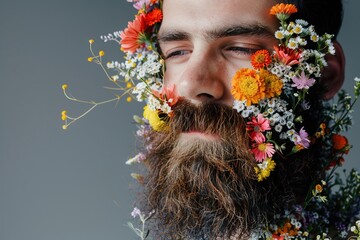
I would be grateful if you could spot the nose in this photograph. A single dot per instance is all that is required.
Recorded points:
(203, 79)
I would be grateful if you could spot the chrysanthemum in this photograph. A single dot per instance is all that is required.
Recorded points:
(256, 127)
(247, 85)
(260, 59)
(262, 151)
(263, 169)
(131, 37)
(283, 11)
(273, 84)
(153, 17)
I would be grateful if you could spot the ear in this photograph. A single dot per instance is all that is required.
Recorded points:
(333, 75)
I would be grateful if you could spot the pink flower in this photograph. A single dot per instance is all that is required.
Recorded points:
(303, 81)
(262, 151)
(256, 127)
(139, 4)
(131, 36)
(136, 212)
(302, 138)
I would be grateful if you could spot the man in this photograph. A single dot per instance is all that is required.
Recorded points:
(200, 180)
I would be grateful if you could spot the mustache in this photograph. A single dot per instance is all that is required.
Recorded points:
(209, 118)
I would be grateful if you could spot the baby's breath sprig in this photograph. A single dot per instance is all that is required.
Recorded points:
(142, 233)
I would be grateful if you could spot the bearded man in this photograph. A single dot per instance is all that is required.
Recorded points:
(200, 177)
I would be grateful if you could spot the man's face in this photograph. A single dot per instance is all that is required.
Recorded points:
(205, 42)
(202, 181)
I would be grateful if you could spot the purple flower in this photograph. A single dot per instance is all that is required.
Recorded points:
(303, 81)
(303, 139)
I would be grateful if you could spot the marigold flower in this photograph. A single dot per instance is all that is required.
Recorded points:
(262, 151)
(131, 36)
(153, 17)
(339, 141)
(247, 85)
(273, 84)
(283, 11)
(260, 59)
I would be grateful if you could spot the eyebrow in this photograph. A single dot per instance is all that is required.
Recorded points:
(248, 30)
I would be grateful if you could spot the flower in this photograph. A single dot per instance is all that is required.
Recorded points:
(339, 141)
(263, 169)
(247, 85)
(153, 17)
(273, 84)
(260, 59)
(63, 115)
(155, 121)
(302, 138)
(168, 95)
(64, 87)
(136, 212)
(256, 127)
(262, 151)
(318, 188)
(131, 37)
(287, 56)
(283, 11)
(302, 82)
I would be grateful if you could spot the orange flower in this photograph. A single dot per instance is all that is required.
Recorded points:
(131, 36)
(283, 11)
(273, 84)
(248, 85)
(260, 59)
(318, 188)
(339, 141)
(153, 17)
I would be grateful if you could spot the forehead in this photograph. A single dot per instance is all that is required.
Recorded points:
(195, 16)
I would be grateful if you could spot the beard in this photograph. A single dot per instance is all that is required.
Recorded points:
(201, 180)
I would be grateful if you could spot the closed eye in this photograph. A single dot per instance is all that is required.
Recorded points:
(176, 53)
(243, 50)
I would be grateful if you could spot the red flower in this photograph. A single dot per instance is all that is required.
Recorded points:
(131, 36)
(287, 56)
(153, 17)
(339, 141)
(262, 151)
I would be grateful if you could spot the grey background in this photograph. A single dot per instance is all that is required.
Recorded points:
(74, 185)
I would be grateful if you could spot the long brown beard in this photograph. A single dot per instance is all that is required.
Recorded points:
(203, 188)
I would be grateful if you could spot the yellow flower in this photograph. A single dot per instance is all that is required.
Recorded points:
(63, 115)
(90, 59)
(128, 99)
(273, 84)
(263, 169)
(129, 85)
(154, 120)
(248, 85)
(64, 87)
(91, 41)
(101, 53)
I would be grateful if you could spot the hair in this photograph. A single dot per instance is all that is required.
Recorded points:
(325, 15)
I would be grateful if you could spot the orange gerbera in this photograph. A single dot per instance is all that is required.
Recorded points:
(260, 59)
(153, 17)
(339, 141)
(283, 11)
(287, 56)
(248, 85)
(273, 84)
(132, 36)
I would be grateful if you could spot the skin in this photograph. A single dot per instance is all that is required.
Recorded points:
(205, 42)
